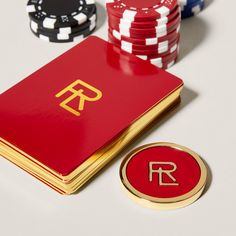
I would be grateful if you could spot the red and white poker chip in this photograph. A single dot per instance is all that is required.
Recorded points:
(139, 10)
(163, 175)
(158, 60)
(146, 24)
(161, 50)
(146, 40)
(159, 34)
(131, 46)
(163, 62)
(157, 31)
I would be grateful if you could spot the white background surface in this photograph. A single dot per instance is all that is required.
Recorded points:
(204, 122)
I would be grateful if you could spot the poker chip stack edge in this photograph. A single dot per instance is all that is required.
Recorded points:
(191, 7)
(62, 21)
(147, 29)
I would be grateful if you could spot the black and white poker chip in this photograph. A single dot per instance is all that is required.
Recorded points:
(54, 14)
(65, 38)
(37, 28)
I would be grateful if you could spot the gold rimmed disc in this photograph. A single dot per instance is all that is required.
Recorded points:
(163, 175)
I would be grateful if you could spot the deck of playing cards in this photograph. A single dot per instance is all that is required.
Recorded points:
(67, 120)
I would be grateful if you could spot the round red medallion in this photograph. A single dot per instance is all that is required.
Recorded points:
(164, 175)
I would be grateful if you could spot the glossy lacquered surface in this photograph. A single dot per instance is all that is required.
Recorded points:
(186, 176)
(163, 175)
(32, 119)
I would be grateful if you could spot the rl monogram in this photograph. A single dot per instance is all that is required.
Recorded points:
(160, 171)
(78, 93)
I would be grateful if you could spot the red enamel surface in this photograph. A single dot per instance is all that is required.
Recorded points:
(187, 173)
(32, 120)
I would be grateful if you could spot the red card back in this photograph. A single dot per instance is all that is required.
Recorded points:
(79, 102)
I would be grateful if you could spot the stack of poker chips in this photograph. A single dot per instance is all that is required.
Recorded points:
(62, 20)
(147, 29)
(190, 7)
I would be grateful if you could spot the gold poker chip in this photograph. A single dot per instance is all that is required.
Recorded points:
(163, 175)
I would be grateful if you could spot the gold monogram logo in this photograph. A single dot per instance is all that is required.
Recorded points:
(78, 93)
(160, 171)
